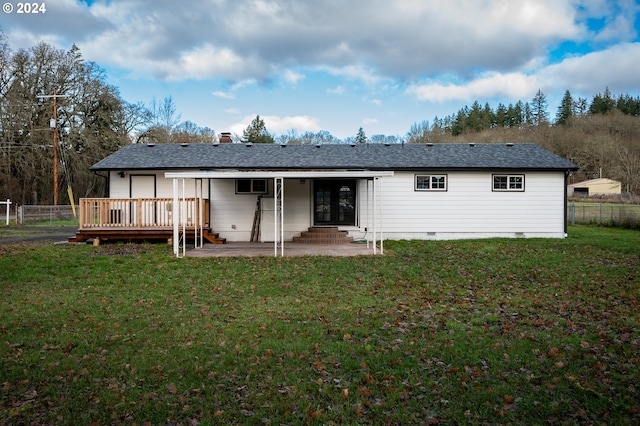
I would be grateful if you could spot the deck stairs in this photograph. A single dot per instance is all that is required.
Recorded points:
(323, 235)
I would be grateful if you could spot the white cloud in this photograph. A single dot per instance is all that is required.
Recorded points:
(355, 72)
(586, 74)
(231, 93)
(489, 85)
(223, 95)
(377, 102)
(338, 90)
(370, 121)
(616, 67)
(293, 77)
(367, 40)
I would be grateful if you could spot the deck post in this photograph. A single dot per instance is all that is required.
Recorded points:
(139, 212)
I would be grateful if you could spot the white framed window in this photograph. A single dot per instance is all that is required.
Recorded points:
(508, 183)
(251, 186)
(431, 182)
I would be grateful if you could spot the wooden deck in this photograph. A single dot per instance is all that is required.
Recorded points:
(131, 219)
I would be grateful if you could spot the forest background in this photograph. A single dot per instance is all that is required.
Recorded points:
(601, 135)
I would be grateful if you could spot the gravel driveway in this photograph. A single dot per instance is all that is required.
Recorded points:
(22, 234)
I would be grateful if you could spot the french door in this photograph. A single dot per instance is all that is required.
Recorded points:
(334, 202)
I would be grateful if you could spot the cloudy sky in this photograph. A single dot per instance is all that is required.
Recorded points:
(338, 65)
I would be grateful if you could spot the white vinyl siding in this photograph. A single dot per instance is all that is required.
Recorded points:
(121, 187)
(469, 208)
(232, 214)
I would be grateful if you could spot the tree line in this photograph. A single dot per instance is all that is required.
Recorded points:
(601, 136)
(533, 114)
(92, 122)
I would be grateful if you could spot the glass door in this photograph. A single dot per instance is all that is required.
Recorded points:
(335, 202)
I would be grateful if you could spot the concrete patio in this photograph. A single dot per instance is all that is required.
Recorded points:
(290, 249)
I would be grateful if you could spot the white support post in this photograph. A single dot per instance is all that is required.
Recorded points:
(278, 200)
(375, 228)
(282, 217)
(275, 217)
(381, 217)
(198, 232)
(183, 214)
(368, 222)
(176, 217)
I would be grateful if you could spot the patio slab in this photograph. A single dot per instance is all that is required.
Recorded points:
(290, 249)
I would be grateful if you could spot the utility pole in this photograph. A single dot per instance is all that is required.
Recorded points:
(53, 123)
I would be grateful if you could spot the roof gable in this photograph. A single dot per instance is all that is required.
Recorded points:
(526, 156)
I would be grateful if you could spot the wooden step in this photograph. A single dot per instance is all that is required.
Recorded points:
(323, 235)
(213, 238)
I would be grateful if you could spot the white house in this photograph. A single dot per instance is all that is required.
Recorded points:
(276, 192)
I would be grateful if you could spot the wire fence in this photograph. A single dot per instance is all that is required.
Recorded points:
(38, 214)
(604, 214)
(626, 216)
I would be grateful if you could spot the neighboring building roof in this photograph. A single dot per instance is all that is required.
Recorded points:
(597, 181)
(525, 156)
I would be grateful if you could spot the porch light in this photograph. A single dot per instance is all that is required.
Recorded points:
(121, 174)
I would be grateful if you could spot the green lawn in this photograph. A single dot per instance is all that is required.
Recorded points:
(435, 332)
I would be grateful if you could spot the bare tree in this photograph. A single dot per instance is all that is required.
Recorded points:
(89, 122)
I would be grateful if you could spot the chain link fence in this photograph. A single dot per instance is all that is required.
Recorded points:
(38, 214)
(626, 216)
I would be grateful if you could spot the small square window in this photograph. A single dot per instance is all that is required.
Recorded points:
(259, 185)
(251, 186)
(508, 183)
(431, 183)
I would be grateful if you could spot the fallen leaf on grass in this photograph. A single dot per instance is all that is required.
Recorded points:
(315, 415)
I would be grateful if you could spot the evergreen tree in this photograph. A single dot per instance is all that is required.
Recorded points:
(566, 110)
(602, 103)
(581, 107)
(501, 116)
(527, 115)
(514, 116)
(256, 132)
(539, 109)
(361, 137)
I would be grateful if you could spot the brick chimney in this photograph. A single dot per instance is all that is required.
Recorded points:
(225, 137)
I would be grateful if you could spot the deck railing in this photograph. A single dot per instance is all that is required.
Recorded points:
(139, 213)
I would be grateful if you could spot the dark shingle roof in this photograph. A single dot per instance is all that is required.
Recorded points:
(525, 156)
